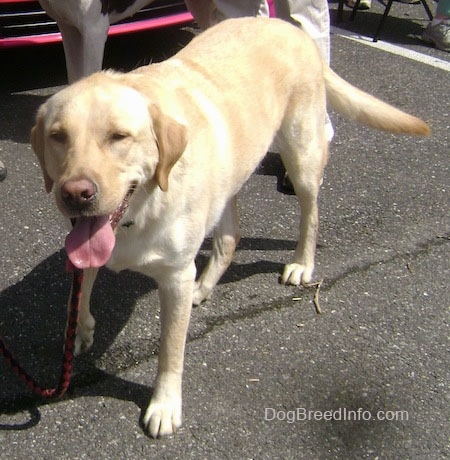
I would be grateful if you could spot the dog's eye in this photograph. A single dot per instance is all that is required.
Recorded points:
(59, 136)
(118, 136)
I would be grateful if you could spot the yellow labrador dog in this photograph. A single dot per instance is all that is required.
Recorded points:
(177, 140)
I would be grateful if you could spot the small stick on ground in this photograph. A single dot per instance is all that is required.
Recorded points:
(316, 295)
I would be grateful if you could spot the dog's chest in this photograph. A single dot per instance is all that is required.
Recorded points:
(151, 248)
(134, 248)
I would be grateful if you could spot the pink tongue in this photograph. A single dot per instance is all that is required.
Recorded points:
(91, 241)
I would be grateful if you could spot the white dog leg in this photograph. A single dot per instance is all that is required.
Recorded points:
(84, 49)
(305, 171)
(301, 269)
(86, 322)
(163, 415)
(226, 238)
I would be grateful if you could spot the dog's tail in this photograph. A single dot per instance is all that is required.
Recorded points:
(368, 110)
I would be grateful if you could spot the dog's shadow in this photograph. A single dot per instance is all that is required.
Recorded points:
(33, 314)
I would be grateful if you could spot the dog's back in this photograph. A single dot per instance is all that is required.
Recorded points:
(278, 53)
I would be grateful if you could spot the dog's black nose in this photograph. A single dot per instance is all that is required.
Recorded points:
(78, 193)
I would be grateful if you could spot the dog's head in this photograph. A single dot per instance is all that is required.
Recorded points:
(98, 139)
(106, 133)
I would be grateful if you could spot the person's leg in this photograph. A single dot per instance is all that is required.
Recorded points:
(313, 16)
(210, 12)
(226, 9)
(363, 4)
(438, 30)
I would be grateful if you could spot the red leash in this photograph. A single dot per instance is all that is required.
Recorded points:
(72, 321)
(69, 347)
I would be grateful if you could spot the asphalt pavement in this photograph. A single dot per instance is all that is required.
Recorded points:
(266, 375)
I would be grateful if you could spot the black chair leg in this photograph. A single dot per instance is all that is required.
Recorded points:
(355, 10)
(427, 9)
(340, 11)
(383, 20)
(385, 14)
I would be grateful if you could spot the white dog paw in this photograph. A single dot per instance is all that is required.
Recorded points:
(200, 294)
(85, 336)
(296, 274)
(83, 343)
(162, 418)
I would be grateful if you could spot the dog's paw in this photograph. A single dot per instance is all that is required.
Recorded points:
(162, 417)
(200, 294)
(296, 274)
(85, 336)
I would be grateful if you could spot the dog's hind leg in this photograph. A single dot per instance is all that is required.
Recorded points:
(225, 240)
(304, 161)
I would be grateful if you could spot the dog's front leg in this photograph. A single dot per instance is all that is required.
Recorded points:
(163, 415)
(86, 322)
(84, 48)
(226, 238)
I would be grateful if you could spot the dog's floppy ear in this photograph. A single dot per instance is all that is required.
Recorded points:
(171, 138)
(37, 142)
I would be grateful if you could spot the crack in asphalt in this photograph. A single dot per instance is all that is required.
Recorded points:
(282, 303)
(304, 295)
(90, 374)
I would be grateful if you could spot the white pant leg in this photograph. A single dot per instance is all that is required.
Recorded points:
(226, 9)
(313, 16)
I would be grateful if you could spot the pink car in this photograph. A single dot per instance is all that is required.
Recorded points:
(25, 23)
